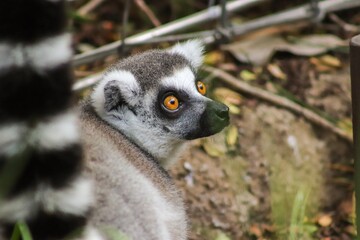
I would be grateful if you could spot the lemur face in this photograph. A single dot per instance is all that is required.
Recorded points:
(185, 111)
(156, 93)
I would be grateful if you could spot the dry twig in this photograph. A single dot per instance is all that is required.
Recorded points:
(142, 5)
(277, 100)
(346, 26)
(89, 6)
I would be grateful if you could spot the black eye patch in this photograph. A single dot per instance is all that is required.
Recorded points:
(182, 97)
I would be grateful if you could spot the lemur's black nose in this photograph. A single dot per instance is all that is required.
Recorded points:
(216, 116)
(220, 110)
(223, 112)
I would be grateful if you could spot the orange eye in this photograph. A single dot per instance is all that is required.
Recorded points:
(171, 102)
(201, 87)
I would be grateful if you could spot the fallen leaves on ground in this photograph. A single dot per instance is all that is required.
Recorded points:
(259, 51)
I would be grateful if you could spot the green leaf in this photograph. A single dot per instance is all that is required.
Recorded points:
(21, 231)
(232, 135)
(114, 234)
(222, 236)
(247, 75)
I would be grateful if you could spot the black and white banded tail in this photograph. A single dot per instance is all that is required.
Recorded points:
(38, 131)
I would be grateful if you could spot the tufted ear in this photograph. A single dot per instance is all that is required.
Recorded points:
(192, 50)
(112, 95)
(117, 87)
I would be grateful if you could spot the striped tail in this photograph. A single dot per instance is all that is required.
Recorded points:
(39, 139)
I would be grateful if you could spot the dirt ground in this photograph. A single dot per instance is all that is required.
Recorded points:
(278, 155)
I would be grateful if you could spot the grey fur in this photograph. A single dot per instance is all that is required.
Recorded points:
(151, 66)
(112, 95)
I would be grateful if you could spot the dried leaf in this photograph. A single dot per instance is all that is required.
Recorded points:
(346, 125)
(214, 57)
(259, 51)
(255, 51)
(233, 109)
(342, 167)
(215, 146)
(232, 135)
(276, 71)
(350, 230)
(255, 230)
(325, 220)
(270, 87)
(330, 61)
(226, 95)
(229, 67)
(211, 149)
(320, 41)
(219, 224)
(107, 25)
(258, 70)
(230, 98)
(222, 236)
(320, 66)
(246, 75)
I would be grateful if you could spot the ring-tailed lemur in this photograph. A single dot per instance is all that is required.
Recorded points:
(137, 120)
(39, 137)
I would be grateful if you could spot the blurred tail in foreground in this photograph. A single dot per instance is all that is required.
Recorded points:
(41, 181)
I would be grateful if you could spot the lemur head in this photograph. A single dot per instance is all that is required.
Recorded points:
(155, 97)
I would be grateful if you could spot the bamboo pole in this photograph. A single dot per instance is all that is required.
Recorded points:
(296, 14)
(169, 28)
(355, 86)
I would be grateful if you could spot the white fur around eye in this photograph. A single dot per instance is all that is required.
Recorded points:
(192, 50)
(127, 85)
(183, 79)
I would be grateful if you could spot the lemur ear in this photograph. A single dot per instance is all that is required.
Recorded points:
(192, 50)
(112, 94)
(113, 89)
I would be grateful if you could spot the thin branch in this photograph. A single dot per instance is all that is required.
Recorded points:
(124, 25)
(149, 13)
(86, 82)
(355, 83)
(88, 7)
(223, 18)
(346, 26)
(278, 101)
